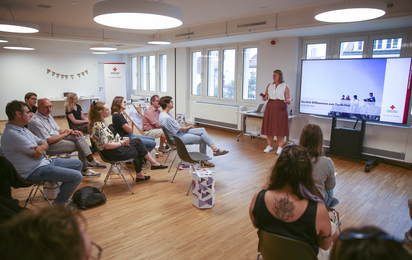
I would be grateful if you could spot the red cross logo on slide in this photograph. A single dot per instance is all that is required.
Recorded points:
(392, 107)
(114, 69)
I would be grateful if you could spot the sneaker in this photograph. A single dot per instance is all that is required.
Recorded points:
(163, 150)
(268, 149)
(279, 150)
(95, 164)
(90, 173)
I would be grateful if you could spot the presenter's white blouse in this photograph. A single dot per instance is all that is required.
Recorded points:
(277, 93)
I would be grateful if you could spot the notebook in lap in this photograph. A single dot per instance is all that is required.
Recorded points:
(258, 110)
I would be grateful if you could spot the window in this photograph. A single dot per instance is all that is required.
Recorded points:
(143, 73)
(152, 73)
(163, 73)
(390, 49)
(133, 65)
(316, 51)
(350, 50)
(249, 73)
(228, 80)
(212, 73)
(196, 73)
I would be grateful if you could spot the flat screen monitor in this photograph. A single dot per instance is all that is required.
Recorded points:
(367, 89)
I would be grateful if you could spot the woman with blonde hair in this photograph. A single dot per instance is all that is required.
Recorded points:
(122, 126)
(114, 149)
(74, 114)
(323, 167)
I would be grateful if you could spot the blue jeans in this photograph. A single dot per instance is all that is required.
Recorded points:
(66, 171)
(328, 197)
(196, 136)
(148, 141)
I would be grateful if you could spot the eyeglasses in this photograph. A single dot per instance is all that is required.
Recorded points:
(33, 98)
(96, 251)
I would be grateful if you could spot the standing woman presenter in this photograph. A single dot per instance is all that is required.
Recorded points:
(275, 118)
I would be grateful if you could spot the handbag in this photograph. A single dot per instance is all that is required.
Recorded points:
(88, 197)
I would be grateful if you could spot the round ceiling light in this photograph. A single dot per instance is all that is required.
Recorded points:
(18, 27)
(99, 52)
(137, 14)
(352, 11)
(3, 39)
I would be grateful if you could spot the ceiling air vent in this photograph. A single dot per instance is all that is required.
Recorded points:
(250, 24)
(184, 34)
(389, 5)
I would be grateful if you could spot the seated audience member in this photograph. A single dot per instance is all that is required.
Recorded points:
(52, 233)
(123, 128)
(323, 167)
(62, 141)
(151, 125)
(287, 207)
(31, 100)
(367, 243)
(188, 134)
(114, 149)
(27, 153)
(407, 242)
(74, 114)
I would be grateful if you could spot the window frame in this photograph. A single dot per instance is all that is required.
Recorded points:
(157, 74)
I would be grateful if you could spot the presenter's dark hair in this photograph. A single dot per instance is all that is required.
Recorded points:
(153, 99)
(292, 167)
(117, 101)
(164, 101)
(371, 93)
(280, 74)
(367, 243)
(52, 233)
(29, 95)
(13, 107)
(312, 139)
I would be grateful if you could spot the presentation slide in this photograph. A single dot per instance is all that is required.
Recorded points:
(369, 89)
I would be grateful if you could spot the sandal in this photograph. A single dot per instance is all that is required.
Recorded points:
(146, 178)
(219, 152)
(207, 164)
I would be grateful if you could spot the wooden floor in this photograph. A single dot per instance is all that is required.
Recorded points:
(159, 221)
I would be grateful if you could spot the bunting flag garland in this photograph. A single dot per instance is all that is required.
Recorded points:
(62, 76)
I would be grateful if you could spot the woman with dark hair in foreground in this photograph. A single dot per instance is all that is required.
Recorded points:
(287, 207)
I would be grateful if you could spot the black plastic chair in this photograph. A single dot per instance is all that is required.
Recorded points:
(277, 247)
(171, 144)
(189, 157)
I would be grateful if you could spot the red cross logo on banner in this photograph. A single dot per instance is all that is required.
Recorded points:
(114, 69)
(392, 107)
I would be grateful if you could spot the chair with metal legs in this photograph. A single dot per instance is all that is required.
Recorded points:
(189, 157)
(118, 165)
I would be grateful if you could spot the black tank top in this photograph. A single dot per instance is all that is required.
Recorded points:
(302, 229)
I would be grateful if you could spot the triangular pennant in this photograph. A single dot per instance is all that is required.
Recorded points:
(53, 73)
(66, 76)
(57, 75)
(83, 74)
(86, 72)
(72, 76)
(48, 71)
(62, 76)
(78, 74)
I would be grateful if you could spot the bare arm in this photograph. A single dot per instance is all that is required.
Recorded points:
(61, 136)
(110, 146)
(184, 128)
(251, 207)
(288, 100)
(75, 121)
(323, 227)
(39, 150)
(265, 98)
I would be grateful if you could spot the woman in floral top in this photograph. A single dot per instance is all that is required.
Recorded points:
(106, 142)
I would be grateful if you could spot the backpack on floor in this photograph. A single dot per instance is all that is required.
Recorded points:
(88, 197)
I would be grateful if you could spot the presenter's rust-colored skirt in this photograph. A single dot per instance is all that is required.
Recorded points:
(275, 119)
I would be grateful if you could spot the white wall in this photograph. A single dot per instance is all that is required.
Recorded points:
(26, 71)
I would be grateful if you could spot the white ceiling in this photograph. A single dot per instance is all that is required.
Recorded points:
(211, 21)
